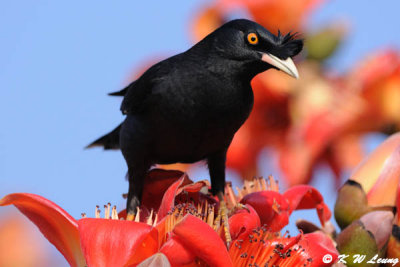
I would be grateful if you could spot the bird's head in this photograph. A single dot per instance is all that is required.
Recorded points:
(252, 48)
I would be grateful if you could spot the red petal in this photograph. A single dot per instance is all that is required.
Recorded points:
(203, 241)
(168, 199)
(194, 187)
(54, 223)
(243, 222)
(271, 207)
(176, 252)
(115, 242)
(156, 184)
(192, 193)
(307, 197)
(317, 245)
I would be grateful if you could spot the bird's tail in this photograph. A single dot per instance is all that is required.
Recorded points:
(108, 141)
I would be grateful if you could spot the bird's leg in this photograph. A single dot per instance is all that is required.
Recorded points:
(216, 166)
(223, 212)
(137, 176)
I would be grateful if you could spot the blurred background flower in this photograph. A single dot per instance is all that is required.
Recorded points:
(60, 59)
(22, 245)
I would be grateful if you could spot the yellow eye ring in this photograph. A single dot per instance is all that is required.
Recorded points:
(252, 38)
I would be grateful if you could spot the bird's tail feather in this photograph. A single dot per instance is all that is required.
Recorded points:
(108, 141)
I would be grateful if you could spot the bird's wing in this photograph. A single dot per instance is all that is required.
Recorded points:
(139, 93)
(134, 97)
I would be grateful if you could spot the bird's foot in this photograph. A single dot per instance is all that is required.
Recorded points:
(130, 216)
(223, 214)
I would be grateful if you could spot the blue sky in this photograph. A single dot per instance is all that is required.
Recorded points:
(60, 58)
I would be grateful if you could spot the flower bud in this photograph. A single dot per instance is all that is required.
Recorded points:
(366, 236)
(373, 184)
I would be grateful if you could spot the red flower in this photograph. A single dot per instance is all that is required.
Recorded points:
(263, 248)
(283, 15)
(105, 242)
(274, 208)
(188, 232)
(55, 224)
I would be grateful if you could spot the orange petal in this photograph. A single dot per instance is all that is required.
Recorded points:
(379, 174)
(203, 241)
(116, 243)
(54, 223)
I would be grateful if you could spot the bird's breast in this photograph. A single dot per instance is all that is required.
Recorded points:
(213, 103)
(196, 124)
(187, 120)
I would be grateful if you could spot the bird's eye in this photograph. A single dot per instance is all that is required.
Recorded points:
(252, 38)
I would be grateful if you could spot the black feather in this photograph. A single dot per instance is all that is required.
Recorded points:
(119, 93)
(288, 45)
(108, 141)
(188, 107)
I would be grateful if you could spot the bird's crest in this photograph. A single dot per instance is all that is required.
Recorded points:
(288, 45)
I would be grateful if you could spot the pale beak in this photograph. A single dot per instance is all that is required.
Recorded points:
(286, 65)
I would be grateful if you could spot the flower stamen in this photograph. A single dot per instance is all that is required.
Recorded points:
(137, 216)
(265, 248)
(150, 218)
(107, 211)
(249, 186)
(230, 195)
(276, 206)
(204, 211)
(210, 215)
(114, 213)
(97, 212)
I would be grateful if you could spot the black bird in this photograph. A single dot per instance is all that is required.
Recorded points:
(188, 107)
